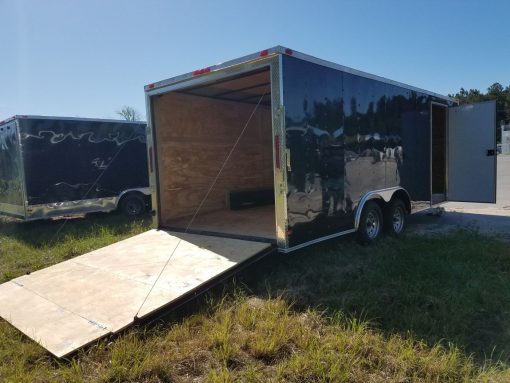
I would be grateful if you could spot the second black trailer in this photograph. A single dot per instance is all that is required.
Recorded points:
(56, 166)
(335, 149)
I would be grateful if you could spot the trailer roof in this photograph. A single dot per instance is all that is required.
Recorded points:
(280, 50)
(35, 117)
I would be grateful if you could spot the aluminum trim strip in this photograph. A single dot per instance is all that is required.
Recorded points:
(22, 170)
(283, 50)
(321, 239)
(35, 117)
(58, 209)
(153, 178)
(12, 210)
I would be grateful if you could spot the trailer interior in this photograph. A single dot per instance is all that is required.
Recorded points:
(203, 189)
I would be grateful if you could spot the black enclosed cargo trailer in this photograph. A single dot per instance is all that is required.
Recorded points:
(55, 166)
(339, 150)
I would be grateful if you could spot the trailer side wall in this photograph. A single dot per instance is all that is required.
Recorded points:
(72, 160)
(348, 135)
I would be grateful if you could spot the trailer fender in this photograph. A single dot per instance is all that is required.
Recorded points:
(385, 195)
(144, 190)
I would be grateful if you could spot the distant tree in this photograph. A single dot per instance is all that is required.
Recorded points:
(129, 113)
(469, 96)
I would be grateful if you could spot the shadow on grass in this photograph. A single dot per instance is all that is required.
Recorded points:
(448, 289)
(44, 232)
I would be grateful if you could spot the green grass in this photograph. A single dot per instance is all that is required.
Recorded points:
(417, 309)
(25, 247)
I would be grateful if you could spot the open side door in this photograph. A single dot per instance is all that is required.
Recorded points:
(472, 153)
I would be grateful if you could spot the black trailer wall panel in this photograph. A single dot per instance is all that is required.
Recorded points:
(348, 135)
(10, 165)
(63, 159)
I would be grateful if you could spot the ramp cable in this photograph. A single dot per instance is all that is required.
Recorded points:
(213, 183)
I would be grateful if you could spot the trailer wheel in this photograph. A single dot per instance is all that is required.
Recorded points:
(395, 218)
(132, 205)
(370, 223)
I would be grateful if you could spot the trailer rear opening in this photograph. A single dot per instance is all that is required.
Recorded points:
(196, 128)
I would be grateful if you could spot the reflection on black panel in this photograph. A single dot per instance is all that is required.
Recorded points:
(349, 135)
(10, 176)
(314, 133)
(69, 160)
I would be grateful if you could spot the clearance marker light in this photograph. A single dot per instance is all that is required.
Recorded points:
(201, 71)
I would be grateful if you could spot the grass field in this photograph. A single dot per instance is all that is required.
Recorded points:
(416, 309)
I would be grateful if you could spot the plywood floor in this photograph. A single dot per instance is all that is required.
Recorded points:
(76, 302)
(256, 222)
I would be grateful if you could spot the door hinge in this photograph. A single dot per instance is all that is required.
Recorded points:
(490, 152)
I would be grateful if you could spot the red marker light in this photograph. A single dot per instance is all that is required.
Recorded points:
(288, 51)
(150, 86)
(201, 71)
(265, 52)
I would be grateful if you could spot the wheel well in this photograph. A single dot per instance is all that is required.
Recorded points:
(404, 197)
(379, 201)
(130, 194)
(400, 194)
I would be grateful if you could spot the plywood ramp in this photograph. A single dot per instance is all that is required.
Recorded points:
(76, 302)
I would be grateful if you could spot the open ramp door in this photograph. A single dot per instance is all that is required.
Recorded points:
(472, 153)
(74, 303)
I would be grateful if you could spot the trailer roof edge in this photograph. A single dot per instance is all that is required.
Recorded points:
(290, 52)
(25, 116)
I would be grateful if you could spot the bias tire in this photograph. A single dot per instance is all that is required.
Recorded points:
(395, 219)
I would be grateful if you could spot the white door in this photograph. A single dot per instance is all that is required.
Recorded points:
(472, 153)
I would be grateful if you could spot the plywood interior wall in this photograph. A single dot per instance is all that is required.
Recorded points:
(193, 137)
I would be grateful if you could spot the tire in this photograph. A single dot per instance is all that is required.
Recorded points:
(395, 219)
(132, 205)
(370, 223)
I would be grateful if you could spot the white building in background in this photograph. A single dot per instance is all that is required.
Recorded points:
(505, 139)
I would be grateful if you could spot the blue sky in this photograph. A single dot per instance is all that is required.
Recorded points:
(89, 58)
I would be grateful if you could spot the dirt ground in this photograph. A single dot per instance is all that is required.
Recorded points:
(492, 219)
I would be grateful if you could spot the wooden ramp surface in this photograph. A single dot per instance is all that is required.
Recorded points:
(76, 302)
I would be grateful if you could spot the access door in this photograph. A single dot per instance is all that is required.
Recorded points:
(471, 170)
